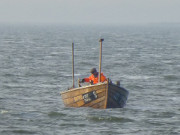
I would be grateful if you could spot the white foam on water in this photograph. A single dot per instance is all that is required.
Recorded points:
(4, 111)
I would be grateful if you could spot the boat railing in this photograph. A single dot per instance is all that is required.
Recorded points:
(91, 83)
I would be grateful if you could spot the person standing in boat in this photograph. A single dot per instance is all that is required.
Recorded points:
(93, 78)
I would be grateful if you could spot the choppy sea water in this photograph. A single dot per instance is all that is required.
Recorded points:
(35, 66)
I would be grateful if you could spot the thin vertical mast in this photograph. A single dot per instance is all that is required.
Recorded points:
(73, 64)
(100, 59)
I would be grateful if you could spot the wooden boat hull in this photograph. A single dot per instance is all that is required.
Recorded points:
(102, 96)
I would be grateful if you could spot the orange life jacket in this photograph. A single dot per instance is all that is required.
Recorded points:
(95, 79)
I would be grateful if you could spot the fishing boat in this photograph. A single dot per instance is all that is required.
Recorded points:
(101, 95)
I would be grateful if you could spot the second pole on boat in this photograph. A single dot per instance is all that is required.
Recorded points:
(100, 59)
(73, 64)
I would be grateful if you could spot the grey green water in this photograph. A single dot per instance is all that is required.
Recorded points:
(35, 66)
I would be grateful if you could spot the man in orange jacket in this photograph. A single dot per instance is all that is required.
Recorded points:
(93, 78)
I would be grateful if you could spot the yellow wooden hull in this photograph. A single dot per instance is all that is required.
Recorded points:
(101, 96)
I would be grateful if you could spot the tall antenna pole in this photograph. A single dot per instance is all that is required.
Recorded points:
(73, 64)
(100, 59)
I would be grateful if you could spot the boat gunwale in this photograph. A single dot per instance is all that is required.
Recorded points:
(83, 87)
(122, 88)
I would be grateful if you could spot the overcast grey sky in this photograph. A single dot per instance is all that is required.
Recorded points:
(90, 11)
